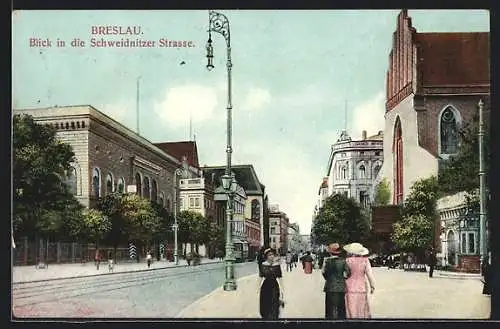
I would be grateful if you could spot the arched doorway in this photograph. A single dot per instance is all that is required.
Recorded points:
(398, 162)
(451, 243)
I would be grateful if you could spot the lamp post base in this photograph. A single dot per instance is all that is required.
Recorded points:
(230, 285)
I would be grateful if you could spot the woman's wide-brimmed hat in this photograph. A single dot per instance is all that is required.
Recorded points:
(356, 249)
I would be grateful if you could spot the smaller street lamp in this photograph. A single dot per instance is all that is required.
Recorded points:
(210, 53)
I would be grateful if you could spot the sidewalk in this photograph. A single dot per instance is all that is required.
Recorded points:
(398, 295)
(59, 271)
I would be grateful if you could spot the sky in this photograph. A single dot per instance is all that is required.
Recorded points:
(295, 75)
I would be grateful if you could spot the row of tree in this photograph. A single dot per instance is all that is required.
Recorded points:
(44, 206)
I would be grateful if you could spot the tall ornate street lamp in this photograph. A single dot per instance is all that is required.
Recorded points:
(178, 172)
(219, 23)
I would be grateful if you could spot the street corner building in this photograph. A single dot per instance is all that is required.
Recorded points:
(110, 158)
(250, 200)
(433, 85)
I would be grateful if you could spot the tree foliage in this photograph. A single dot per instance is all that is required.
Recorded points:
(193, 228)
(413, 233)
(382, 193)
(42, 201)
(94, 225)
(460, 172)
(340, 220)
(422, 198)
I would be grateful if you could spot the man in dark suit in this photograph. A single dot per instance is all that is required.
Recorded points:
(335, 271)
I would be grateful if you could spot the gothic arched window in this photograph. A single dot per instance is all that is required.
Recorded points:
(154, 191)
(448, 132)
(109, 183)
(138, 184)
(121, 185)
(71, 180)
(96, 183)
(362, 172)
(398, 162)
(146, 191)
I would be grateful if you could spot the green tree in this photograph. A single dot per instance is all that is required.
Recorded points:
(216, 237)
(413, 233)
(93, 227)
(42, 201)
(111, 206)
(382, 193)
(340, 220)
(460, 172)
(141, 220)
(422, 198)
(193, 228)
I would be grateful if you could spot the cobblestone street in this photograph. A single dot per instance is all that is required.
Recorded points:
(398, 294)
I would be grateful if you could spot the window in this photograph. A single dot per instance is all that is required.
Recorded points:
(362, 172)
(121, 185)
(273, 230)
(468, 243)
(96, 183)
(197, 202)
(398, 162)
(463, 243)
(448, 132)
(191, 202)
(361, 153)
(376, 170)
(471, 243)
(138, 184)
(154, 191)
(343, 172)
(255, 210)
(345, 194)
(109, 183)
(71, 181)
(377, 153)
(146, 191)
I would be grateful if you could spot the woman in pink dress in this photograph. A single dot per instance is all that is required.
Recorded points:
(356, 297)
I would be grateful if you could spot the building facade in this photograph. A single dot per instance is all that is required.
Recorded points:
(459, 234)
(278, 229)
(353, 167)
(109, 157)
(433, 84)
(294, 239)
(246, 177)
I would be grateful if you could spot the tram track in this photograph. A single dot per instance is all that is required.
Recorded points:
(32, 293)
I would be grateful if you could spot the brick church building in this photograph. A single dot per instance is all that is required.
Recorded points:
(434, 83)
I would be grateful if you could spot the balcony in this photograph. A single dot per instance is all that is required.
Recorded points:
(192, 184)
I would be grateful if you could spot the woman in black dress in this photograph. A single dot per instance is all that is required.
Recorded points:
(271, 288)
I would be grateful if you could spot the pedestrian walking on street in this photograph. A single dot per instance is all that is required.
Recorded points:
(335, 271)
(97, 259)
(307, 263)
(149, 258)
(432, 262)
(261, 257)
(356, 298)
(295, 259)
(288, 260)
(271, 286)
(110, 261)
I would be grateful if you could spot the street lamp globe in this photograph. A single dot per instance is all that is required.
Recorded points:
(226, 182)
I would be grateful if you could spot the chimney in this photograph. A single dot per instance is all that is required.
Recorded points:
(363, 135)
